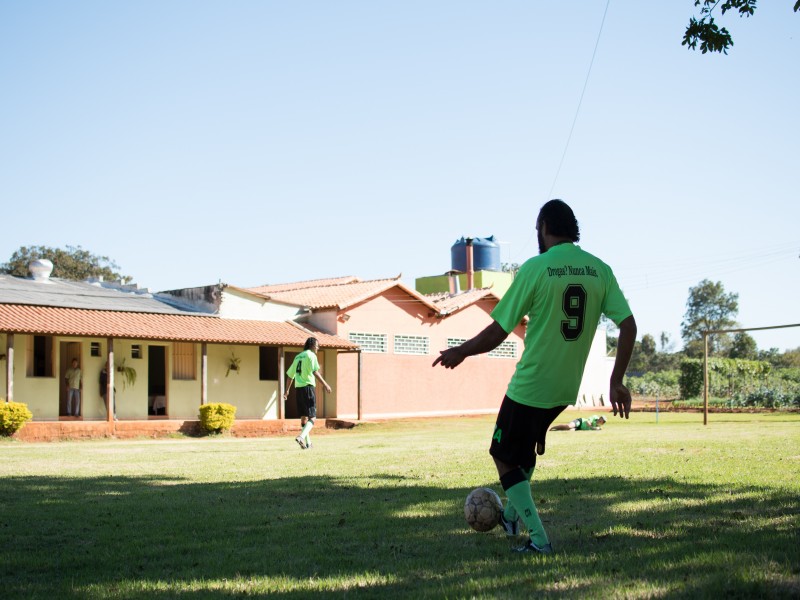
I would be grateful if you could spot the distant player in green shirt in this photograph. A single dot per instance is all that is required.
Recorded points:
(563, 292)
(592, 423)
(304, 371)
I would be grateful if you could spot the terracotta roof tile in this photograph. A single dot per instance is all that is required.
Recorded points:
(299, 285)
(339, 295)
(448, 303)
(49, 320)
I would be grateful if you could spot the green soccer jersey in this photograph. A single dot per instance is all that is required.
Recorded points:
(563, 292)
(303, 368)
(589, 423)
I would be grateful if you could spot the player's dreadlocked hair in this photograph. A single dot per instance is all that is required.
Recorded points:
(310, 343)
(560, 220)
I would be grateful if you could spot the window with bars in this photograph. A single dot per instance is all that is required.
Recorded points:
(376, 343)
(453, 342)
(507, 349)
(411, 344)
(183, 361)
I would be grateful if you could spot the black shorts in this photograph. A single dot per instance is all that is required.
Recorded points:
(517, 430)
(306, 401)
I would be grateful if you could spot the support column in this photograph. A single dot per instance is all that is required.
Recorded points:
(204, 374)
(10, 367)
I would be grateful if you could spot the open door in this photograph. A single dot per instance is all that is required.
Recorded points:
(157, 381)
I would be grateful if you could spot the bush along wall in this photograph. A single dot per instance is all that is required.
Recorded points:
(217, 417)
(13, 416)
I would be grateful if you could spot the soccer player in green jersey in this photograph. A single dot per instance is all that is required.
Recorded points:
(304, 371)
(592, 423)
(563, 292)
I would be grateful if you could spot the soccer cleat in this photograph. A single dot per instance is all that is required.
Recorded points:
(529, 546)
(300, 441)
(510, 527)
(309, 445)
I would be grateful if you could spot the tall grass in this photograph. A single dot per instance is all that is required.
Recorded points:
(638, 510)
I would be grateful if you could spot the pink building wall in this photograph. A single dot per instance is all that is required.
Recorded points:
(395, 385)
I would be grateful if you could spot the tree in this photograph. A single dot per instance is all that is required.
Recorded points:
(708, 308)
(511, 267)
(743, 346)
(73, 263)
(705, 30)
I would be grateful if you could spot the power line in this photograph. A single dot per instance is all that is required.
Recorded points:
(574, 119)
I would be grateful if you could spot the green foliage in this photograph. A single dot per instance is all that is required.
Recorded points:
(705, 30)
(234, 363)
(709, 308)
(663, 384)
(510, 268)
(744, 346)
(73, 263)
(127, 373)
(767, 397)
(217, 417)
(13, 416)
(727, 376)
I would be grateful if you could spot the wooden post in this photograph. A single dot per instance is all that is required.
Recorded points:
(111, 401)
(281, 380)
(10, 367)
(204, 374)
(705, 378)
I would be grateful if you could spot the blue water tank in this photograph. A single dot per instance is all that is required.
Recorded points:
(485, 255)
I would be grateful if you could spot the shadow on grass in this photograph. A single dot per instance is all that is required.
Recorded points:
(388, 536)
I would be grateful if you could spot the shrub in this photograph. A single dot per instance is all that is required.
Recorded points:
(663, 384)
(727, 376)
(217, 417)
(13, 416)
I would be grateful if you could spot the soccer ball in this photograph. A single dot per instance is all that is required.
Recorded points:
(482, 509)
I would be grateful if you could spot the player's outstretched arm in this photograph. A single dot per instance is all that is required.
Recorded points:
(322, 381)
(488, 339)
(620, 395)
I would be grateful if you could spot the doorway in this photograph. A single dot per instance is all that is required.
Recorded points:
(68, 352)
(157, 381)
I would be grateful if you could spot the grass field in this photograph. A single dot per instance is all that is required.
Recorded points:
(638, 510)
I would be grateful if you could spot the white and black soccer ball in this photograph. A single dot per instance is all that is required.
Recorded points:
(482, 509)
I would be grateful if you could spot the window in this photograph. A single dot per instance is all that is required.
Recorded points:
(375, 343)
(183, 361)
(136, 351)
(453, 342)
(40, 356)
(94, 349)
(411, 344)
(506, 349)
(268, 363)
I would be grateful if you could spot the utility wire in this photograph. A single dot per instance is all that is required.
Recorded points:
(574, 119)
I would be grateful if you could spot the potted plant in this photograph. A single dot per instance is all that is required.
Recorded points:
(233, 364)
(128, 374)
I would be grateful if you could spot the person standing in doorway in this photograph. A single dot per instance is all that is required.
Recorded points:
(304, 371)
(73, 381)
(563, 292)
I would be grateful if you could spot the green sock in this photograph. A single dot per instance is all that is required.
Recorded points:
(520, 496)
(510, 513)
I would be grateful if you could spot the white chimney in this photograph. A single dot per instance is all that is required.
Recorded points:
(40, 269)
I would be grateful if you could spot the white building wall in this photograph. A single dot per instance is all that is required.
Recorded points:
(248, 307)
(595, 383)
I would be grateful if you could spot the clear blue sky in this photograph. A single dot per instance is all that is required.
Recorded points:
(259, 142)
